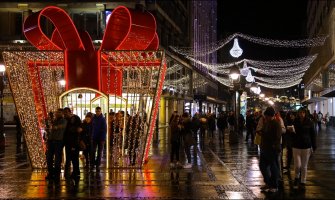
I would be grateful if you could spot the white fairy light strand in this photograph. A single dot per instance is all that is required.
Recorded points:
(208, 49)
(274, 63)
(282, 71)
(280, 86)
(223, 81)
(280, 80)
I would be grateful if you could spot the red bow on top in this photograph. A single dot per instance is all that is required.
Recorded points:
(126, 30)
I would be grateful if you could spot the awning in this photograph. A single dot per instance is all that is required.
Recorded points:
(329, 92)
(314, 100)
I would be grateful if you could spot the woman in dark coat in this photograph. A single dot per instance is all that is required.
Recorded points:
(186, 131)
(304, 143)
(175, 141)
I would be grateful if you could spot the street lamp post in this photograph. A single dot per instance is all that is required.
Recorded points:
(234, 75)
(2, 129)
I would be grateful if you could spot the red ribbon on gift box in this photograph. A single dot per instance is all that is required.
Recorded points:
(126, 30)
(84, 66)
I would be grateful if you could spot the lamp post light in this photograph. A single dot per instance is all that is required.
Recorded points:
(234, 75)
(2, 129)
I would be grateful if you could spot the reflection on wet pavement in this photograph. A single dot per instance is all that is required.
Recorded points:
(220, 171)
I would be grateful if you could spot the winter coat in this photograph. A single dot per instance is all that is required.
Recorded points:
(304, 136)
(99, 128)
(271, 136)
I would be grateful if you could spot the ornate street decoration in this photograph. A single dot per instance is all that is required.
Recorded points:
(127, 73)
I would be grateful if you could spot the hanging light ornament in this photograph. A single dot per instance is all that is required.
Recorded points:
(236, 51)
(245, 70)
(258, 91)
(253, 87)
(249, 77)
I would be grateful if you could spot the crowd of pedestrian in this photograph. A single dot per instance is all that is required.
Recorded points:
(66, 130)
(296, 132)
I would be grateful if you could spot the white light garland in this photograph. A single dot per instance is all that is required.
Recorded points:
(281, 71)
(210, 48)
(280, 80)
(223, 81)
(280, 86)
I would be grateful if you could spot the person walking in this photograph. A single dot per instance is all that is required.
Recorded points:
(211, 126)
(270, 149)
(222, 125)
(99, 131)
(320, 117)
(86, 138)
(304, 143)
(186, 132)
(251, 126)
(287, 140)
(55, 146)
(175, 141)
(71, 143)
(231, 121)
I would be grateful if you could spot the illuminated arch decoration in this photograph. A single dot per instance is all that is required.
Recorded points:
(126, 63)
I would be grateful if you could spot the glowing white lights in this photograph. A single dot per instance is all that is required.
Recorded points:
(245, 70)
(207, 49)
(236, 51)
(234, 72)
(262, 95)
(62, 82)
(254, 87)
(2, 68)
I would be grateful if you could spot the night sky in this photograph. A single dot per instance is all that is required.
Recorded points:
(275, 19)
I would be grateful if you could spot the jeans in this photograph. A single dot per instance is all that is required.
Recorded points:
(54, 150)
(175, 150)
(301, 157)
(72, 155)
(96, 159)
(269, 167)
(221, 134)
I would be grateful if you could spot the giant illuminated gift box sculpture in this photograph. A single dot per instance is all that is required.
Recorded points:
(127, 65)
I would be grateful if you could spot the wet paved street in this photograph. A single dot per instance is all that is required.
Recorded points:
(220, 171)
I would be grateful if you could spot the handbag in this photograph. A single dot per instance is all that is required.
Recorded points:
(257, 139)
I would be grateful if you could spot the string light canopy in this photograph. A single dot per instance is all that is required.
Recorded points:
(272, 74)
(213, 47)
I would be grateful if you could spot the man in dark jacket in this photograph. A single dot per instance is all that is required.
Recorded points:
(71, 142)
(99, 132)
(55, 146)
(251, 126)
(222, 125)
(270, 149)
